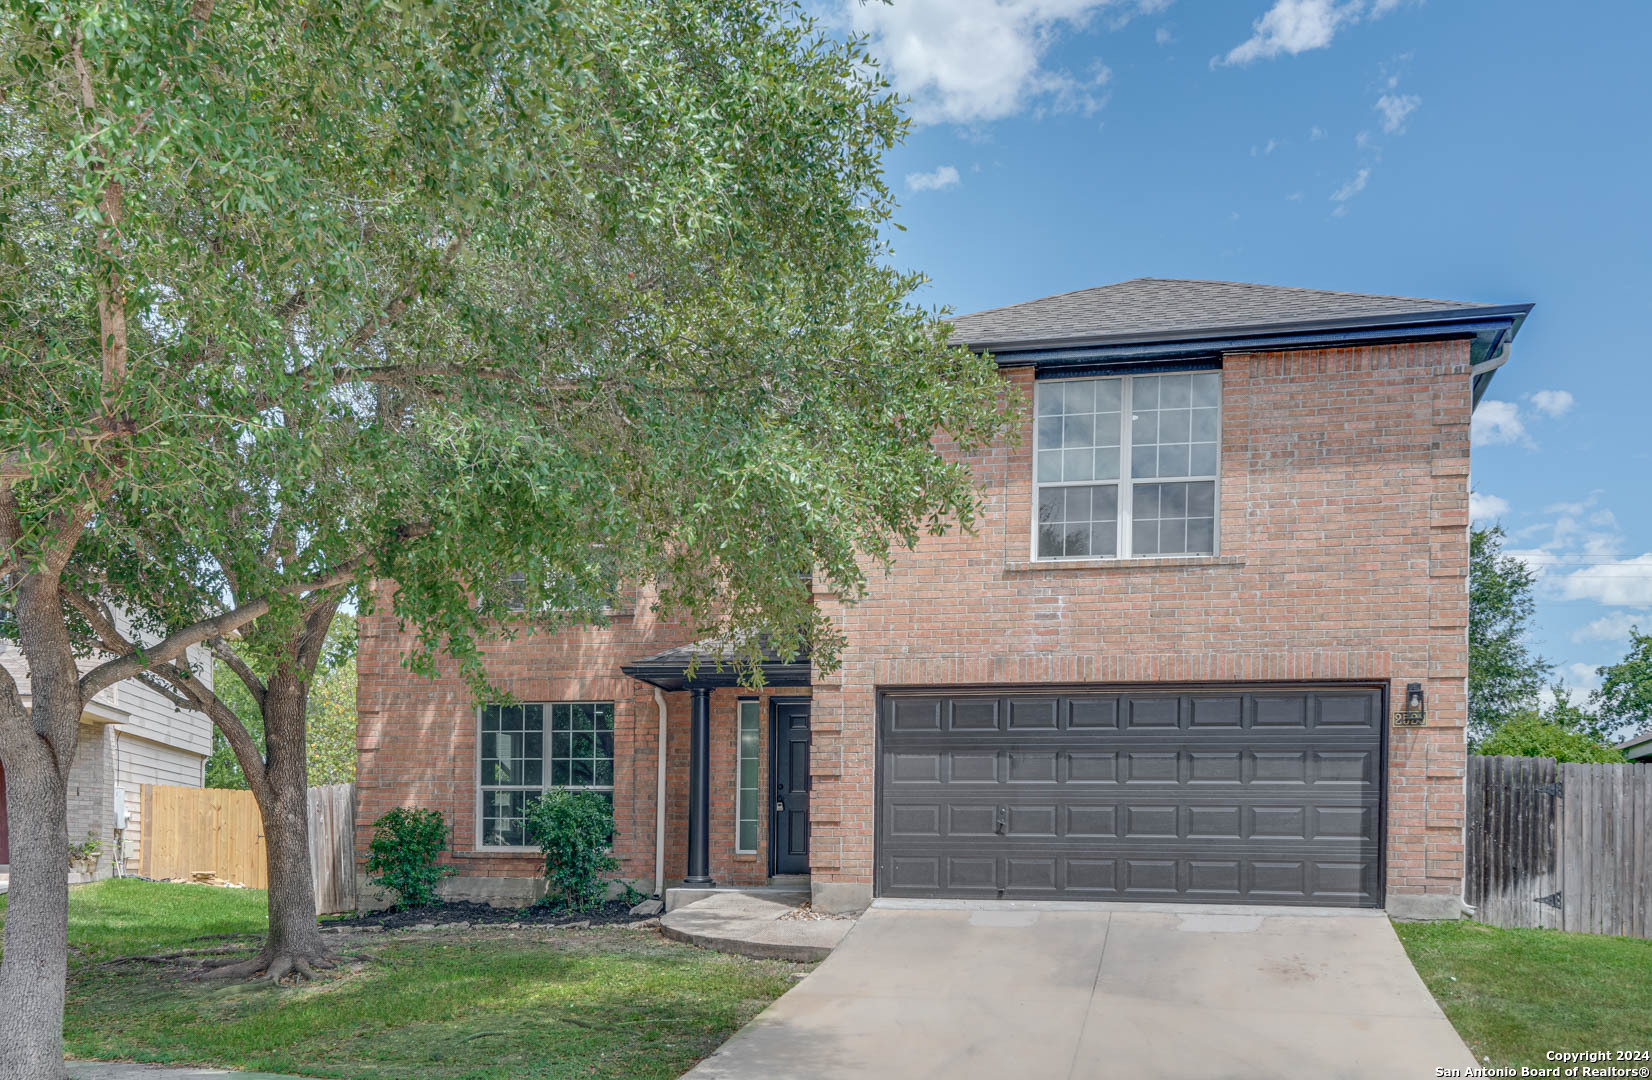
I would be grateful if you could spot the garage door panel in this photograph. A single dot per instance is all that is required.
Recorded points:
(1267, 796)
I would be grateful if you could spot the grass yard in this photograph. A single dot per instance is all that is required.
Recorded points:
(538, 1003)
(1514, 995)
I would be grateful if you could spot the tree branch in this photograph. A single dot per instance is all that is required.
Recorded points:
(101, 620)
(408, 294)
(224, 718)
(249, 678)
(174, 645)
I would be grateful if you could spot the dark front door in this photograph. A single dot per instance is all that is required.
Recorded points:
(789, 766)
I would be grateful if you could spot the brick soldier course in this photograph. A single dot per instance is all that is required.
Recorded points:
(1342, 559)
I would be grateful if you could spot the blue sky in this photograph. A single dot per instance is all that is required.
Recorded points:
(1476, 151)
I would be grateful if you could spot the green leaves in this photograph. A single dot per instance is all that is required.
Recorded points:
(1504, 675)
(592, 295)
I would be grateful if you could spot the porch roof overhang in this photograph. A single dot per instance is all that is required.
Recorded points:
(713, 662)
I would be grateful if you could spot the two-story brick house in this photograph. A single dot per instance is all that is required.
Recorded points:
(1208, 643)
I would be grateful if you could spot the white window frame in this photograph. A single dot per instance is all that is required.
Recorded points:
(1125, 482)
(740, 806)
(545, 771)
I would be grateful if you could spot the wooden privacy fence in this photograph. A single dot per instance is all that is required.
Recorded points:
(187, 832)
(1560, 846)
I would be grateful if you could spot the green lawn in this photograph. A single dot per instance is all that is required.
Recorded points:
(1514, 995)
(542, 1003)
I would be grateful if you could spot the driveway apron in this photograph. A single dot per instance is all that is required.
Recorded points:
(1084, 992)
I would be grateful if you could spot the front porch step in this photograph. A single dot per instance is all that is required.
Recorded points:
(683, 895)
(790, 881)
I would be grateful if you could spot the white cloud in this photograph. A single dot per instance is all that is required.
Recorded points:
(1291, 26)
(1383, 7)
(1395, 108)
(1163, 36)
(1553, 402)
(1486, 507)
(1348, 190)
(1497, 422)
(1620, 583)
(1614, 627)
(944, 177)
(1295, 196)
(975, 61)
(1579, 681)
(1316, 133)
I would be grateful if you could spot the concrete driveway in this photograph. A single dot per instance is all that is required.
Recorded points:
(1132, 992)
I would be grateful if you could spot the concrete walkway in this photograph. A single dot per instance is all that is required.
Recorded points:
(753, 924)
(121, 1070)
(1086, 992)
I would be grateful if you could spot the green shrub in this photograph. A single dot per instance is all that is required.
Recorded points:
(573, 830)
(402, 856)
(1530, 735)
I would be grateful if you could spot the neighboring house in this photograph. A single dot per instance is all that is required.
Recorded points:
(1167, 665)
(1638, 748)
(129, 736)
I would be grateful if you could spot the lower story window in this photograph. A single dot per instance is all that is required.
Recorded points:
(529, 748)
(745, 839)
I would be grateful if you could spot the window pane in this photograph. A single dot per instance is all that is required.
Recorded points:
(502, 813)
(1144, 461)
(1173, 391)
(1203, 460)
(510, 718)
(1204, 425)
(604, 717)
(1107, 429)
(1144, 429)
(1049, 398)
(559, 773)
(1049, 541)
(603, 774)
(1201, 499)
(1107, 394)
(1144, 537)
(1173, 459)
(581, 772)
(1049, 504)
(1049, 466)
(1078, 465)
(1107, 463)
(1144, 392)
(561, 744)
(1079, 396)
(559, 718)
(1078, 504)
(1174, 425)
(490, 718)
(1207, 389)
(1076, 541)
(1201, 536)
(748, 835)
(1079, 430)
(1049, 431)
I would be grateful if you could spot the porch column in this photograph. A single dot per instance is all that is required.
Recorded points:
(699, 789)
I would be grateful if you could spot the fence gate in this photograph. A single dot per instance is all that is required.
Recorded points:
(1561, 847)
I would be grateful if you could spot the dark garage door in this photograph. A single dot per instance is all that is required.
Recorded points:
(1266, 796)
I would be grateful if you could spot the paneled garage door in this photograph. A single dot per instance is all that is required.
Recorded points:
(1266, 796)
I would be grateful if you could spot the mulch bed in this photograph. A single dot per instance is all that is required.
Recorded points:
(613, 912)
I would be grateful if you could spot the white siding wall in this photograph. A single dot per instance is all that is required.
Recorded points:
(139, 761)
(141, 738)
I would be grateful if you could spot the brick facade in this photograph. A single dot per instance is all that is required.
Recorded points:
(1343, 555)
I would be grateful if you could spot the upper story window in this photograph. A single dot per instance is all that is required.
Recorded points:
(1126, 466)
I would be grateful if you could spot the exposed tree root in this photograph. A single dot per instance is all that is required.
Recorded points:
(270, 967)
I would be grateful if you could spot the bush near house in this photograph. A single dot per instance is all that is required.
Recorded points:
(403, 852)
(574, 830)
(1532, 735)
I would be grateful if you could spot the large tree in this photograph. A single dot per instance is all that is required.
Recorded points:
(1623, 703)
(1505, 676)
(300, 296)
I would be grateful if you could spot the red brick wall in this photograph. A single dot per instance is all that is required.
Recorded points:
(1344, 555)
(416, 742)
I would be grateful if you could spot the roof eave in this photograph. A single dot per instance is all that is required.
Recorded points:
(707, 675)
(1231, 333)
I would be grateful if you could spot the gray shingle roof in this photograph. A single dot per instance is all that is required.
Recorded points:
(1166, 309)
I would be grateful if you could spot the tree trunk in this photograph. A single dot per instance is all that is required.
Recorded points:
(34, 971)
(294, 943)
(38, 745)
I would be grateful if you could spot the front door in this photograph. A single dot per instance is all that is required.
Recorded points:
(789, 768)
